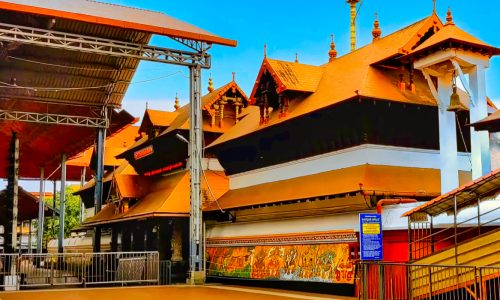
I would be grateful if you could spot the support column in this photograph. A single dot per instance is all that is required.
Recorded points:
(54, 207)
(82, 205)
(41, 212)
(448, 156)
(480, 143)
(98, 184)
(10, 225)
(30, 236)
(62, 206)
(101, 132)
(195, 147)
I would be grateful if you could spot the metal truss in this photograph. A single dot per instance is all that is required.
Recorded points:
(53, 119)
(195, 45)
(82, 43)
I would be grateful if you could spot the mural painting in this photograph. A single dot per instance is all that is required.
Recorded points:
(321, 263)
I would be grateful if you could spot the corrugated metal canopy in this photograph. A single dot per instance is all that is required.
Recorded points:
(482, 186)
(116, 16)
(80, 83)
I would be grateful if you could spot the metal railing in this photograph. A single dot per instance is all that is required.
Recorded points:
(410, 281)
(81, 269)
(165, 272)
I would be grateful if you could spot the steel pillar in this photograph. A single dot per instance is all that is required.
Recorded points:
(82, 206)
(62, 206)
(10, 225)
(195, 148)
(54, 208)
(101, 133)
(41, 212)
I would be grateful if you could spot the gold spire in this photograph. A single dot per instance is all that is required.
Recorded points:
(376, 32)
(210, 84)
(332, 53)
(265, 50)
(296, 57)
(234, 76)
(449, 18)
(434, 7)
(354, 13)
(176, 105)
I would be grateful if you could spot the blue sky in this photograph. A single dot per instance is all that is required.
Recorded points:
(289, 27)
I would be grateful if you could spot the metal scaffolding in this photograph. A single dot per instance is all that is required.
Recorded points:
(196, 61)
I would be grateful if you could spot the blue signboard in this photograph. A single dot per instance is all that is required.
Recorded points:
(370, 236)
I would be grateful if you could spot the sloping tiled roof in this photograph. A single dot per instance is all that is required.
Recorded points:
(166, 196)
(160, 118)
(350, 76)
(389, 180)
(490, 123)
(182, 120)
(452, 33)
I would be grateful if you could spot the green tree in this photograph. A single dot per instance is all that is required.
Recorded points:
(71, 220)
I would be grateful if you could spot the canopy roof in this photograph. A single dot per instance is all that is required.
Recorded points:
(116, 16)
(43, 144)
(27, 205)
(58, 81)
(368, 179)
(482, 186)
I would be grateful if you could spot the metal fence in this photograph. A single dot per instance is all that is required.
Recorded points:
(81, 269)
(410, 281)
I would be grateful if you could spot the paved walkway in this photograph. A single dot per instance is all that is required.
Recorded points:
(207, 292)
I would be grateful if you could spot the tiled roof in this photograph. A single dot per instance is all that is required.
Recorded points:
(166, 196)
(491, 122)
(367, 178)
(452, 33)
(161, 118)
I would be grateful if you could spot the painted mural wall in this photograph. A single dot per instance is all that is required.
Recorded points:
(320, 263)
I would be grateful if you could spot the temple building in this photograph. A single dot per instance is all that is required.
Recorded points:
(325, 143)
(147, 195)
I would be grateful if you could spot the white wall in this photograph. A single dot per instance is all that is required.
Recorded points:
(355, 156)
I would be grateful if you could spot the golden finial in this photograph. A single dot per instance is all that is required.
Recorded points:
(332, 53)
(449, 17)
(234, 76)
(176, 105)
(296, 57)
(434, 8)
(376, 32)
(210, 84)
(265, 50)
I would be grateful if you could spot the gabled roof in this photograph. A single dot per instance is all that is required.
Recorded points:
(450, 32)
(182, 120)
(290, 76)
(157, 118)
(356, 74)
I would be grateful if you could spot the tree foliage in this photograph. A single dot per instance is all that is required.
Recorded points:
(72, 216)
